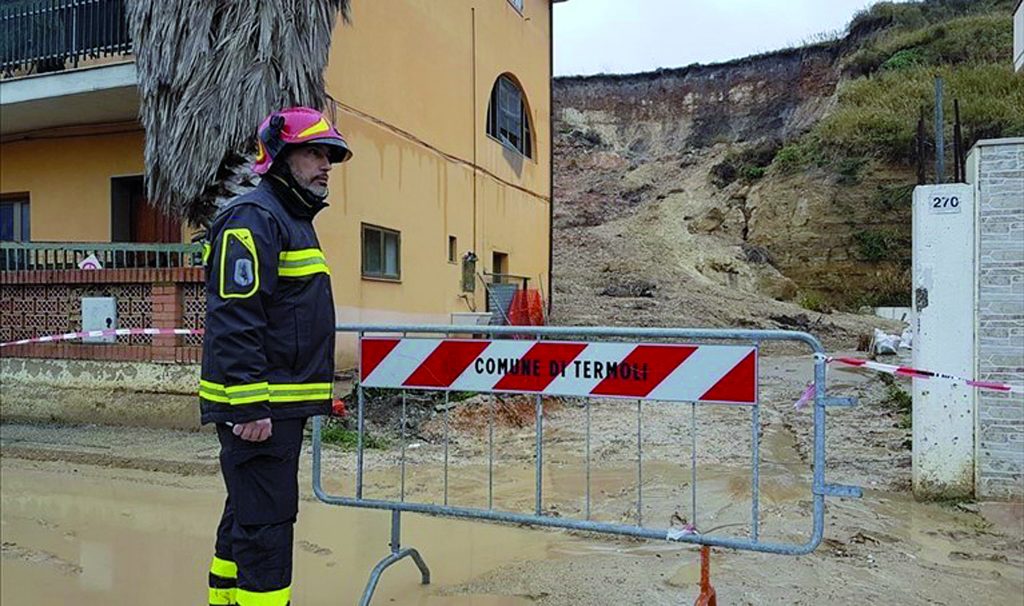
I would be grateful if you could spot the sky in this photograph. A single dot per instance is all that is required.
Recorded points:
(627, 36)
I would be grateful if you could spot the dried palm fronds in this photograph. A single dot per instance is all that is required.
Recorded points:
(209, 71)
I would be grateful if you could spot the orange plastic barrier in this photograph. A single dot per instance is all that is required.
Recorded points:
(527, 308)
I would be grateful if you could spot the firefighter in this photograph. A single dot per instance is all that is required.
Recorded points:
(268, 351)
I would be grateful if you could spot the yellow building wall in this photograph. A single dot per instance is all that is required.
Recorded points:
(414, 110)
(412, 80)
(68, 181)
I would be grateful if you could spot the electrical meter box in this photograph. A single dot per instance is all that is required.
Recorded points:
(99, 313)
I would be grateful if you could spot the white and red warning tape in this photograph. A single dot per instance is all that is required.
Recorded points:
(715, 373)
(916, 373)
(907, 371)
(114, 332)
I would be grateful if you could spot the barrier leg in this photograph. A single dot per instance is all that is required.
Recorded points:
(397, 553)
(707, 595)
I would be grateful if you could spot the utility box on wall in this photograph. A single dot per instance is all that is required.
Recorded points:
(943, 305)
(99, 313)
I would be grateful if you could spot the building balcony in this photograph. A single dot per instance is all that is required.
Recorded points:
(65, 63)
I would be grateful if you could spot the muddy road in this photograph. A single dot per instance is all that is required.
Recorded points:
(102, 515)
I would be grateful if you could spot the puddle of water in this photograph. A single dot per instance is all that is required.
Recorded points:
(94, 540)
(114, 536)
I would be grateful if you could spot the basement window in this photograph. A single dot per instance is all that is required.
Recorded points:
(508, 119)
(381, 253)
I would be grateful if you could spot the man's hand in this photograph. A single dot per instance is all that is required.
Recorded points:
(253, 431)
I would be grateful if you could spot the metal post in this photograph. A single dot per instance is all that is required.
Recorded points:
(360, 420)
(397, 553)
(639, 464)
(490, 457)
(921, 176)
(396, 531)
(538, 504)
(404, 439)
(958, 144)
(940, 135)
(446, 399)
(587, 400)
(755, 517)
(693, 464)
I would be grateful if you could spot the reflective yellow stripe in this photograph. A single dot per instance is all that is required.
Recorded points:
(224, 568)
(299, 272)
(222, 597)
(299, 263)
(263, 598)
(207, 249)
(262, 392)
(300, 392)
(289, 256)
(236, 394)
(214, 397)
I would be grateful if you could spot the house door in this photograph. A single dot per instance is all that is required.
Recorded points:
(135, 219)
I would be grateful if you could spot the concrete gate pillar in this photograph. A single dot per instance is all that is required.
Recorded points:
(943, 301)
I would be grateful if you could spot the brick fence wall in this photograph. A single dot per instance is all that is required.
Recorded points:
(45, 302)
(1000, 318)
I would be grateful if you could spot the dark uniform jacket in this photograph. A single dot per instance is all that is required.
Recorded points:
(268, 350)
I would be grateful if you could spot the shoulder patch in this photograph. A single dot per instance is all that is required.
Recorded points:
(239, 264)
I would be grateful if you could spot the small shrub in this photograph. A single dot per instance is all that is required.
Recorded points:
(903, 59)
(814, 301)
(752, 173)
(873, 245)
(891, 197)
(336, 434)
(890, 288)
(792, 158)
(848, 170)
(748, 164)
(898, 401)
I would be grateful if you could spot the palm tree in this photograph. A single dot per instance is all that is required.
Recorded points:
(208, 72)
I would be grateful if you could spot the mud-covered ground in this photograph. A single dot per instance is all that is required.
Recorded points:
(100, 515)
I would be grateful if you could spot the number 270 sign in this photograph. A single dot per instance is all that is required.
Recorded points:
(943, 204)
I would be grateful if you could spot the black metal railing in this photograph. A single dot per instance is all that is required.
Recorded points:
(27, 256)
(40, 36)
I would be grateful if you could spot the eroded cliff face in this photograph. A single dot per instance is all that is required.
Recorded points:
(648, 200)
(775, 96)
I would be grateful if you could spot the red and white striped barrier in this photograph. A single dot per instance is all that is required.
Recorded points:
(674, 373)
(115, 332)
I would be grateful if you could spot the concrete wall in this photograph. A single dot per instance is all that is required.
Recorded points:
(996, 169)
(113, 393)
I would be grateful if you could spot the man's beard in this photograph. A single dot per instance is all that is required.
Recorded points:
(317, 190)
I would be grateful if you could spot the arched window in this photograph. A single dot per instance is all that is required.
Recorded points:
(508, 120)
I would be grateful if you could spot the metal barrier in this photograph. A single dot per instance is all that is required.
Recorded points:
(412, 360)
(44, 35)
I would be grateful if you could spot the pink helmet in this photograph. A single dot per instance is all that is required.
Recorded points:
(296, 126)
